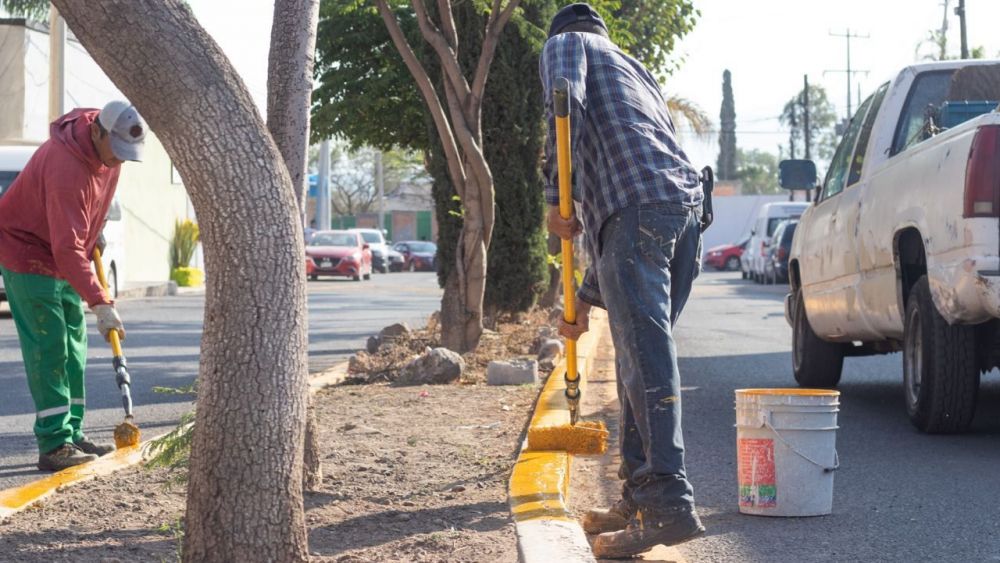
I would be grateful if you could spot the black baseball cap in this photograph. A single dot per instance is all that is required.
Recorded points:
(576, 13)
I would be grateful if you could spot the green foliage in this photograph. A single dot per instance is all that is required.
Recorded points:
(32, 9)
(822, 120)
(183, 244)
(173, 450)
(727, 130)
(758, 170)
(649, 29)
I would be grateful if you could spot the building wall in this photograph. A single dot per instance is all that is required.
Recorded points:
(151, 199)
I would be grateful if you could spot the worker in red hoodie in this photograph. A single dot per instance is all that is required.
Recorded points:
(50, 221)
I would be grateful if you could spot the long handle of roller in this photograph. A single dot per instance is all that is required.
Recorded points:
(122, 377)
(560, 99)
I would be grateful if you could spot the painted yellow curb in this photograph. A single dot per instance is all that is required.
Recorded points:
(16, 499)
(539, 484)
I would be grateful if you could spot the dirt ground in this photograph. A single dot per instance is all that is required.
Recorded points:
(410, 474)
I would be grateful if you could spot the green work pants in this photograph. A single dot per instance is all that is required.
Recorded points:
(49, 317)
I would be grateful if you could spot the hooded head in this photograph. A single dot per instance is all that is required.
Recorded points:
(578, 17)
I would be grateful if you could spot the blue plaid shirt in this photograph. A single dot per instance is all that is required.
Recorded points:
(623, 144)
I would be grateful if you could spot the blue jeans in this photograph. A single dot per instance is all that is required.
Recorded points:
(649, 257)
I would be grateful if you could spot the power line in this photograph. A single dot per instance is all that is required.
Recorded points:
(848, 71)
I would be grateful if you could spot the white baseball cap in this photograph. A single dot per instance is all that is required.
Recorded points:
(126, 127)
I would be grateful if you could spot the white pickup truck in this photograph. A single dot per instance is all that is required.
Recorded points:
(901, 251)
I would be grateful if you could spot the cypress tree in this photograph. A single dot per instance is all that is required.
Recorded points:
(727, 131)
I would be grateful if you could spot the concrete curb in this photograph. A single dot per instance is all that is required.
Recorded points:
(539, 484)
(16, 499)
(151, 289)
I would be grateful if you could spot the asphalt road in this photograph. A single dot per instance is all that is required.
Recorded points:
(163, 347)
(899, 496)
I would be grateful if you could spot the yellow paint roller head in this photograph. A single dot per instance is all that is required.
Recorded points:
(583, 438)
(127, 434)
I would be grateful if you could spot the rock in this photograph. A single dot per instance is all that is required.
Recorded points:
(436, 366)
(374, 342)
(458, 489)
(393, 332)
(549, 353)
(513, 372)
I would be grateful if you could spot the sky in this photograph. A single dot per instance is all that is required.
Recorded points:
(768, 45)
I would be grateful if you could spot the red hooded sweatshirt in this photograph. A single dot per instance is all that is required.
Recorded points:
(52, 214)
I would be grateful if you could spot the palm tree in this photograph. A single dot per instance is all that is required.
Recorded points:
(31, 9)
(691, 113)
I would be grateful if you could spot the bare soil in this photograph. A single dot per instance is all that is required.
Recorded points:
(410, 474)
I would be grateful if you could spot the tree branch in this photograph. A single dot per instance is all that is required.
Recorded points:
(426, 87)
(448, 23)
(494, 27)
(447, 55)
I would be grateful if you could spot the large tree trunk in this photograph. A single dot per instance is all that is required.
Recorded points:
(289, 95)
(245, 488)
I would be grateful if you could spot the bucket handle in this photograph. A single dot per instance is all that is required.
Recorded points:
(825, 468)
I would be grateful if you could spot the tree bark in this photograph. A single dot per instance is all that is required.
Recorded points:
(461, 137)
(245, 487)
(289, 95)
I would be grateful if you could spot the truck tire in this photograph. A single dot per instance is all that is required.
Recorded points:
(815, 362)
(940, 373)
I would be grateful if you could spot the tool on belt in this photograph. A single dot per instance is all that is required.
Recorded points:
(126, 433)
(707, 185)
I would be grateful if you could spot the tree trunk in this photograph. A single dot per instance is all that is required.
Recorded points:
(245, 486)
(289, 95)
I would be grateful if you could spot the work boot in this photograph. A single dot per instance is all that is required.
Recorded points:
(601, 520)
(646, 531)
(90, 447)
(66, 455)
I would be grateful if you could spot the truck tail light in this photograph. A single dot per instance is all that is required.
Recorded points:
(982, 174)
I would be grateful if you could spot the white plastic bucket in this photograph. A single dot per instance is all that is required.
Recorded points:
(786, 450)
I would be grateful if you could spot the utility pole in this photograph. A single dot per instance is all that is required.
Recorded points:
(57, 64)
(849, 71)
(380, 184)
(960, 12)
(323, 219)
(806, 131)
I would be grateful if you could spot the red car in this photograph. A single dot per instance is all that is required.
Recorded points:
(338, 253)
(726, 256)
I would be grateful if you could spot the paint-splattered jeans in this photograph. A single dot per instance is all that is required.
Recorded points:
(649, 257)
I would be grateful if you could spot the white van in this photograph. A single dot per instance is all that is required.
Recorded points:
(768, 218)
(13, 159)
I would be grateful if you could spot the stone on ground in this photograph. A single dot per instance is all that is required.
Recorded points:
(512, 372)
(434, 367)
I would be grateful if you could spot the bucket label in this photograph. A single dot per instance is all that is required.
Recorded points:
(756, 468)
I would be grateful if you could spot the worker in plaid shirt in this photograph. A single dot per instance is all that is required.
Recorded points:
(640, 200)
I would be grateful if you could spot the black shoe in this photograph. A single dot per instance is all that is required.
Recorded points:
(66, 455)
(89, 447)
(601, 520)
(646, 531)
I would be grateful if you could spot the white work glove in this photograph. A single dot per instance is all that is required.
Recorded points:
(108, 320)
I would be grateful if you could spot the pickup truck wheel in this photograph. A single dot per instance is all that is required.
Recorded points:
(815, 362)
(940, 374)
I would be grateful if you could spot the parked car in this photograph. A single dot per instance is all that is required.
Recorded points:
(726, 256)
(778, 248)
(339, 253)
(394, 259)
(376, 241)
(768, 218)
(901, 251)
(417, 255)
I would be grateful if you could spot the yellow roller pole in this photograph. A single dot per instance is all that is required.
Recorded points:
(560, 98)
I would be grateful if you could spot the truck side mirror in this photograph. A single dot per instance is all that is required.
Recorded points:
(797, 174)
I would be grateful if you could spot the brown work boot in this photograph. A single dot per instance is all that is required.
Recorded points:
(90, 447)
(66, 455)
(646, 531)
(601, 520)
